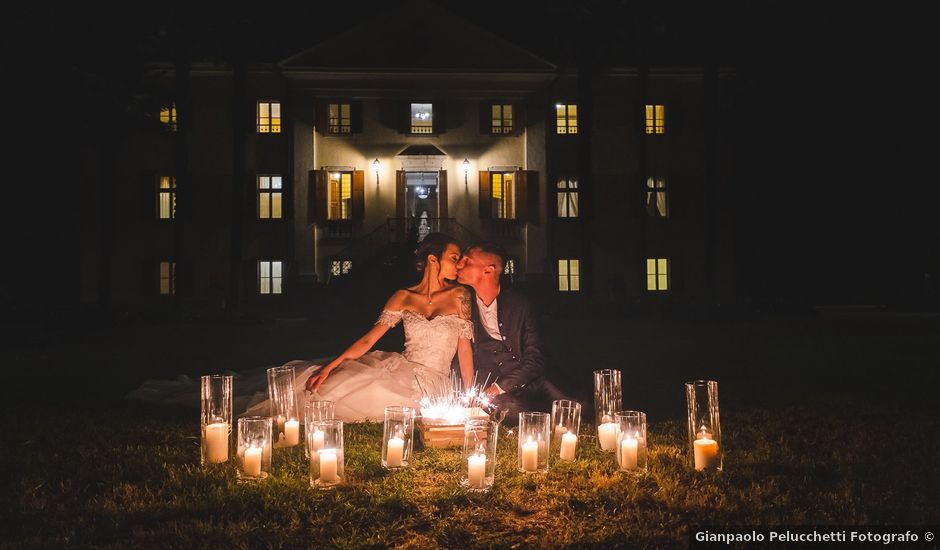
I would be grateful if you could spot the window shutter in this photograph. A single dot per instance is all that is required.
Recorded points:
(316, 196)
(527, 196)
(250, 277)
(285, 276)
(674, 122)
(321, 117)
(486, 117)
(400, 194)
(404, 117)
(287, 196)
(442, 195)
(149, 275)
(184, 197)
(184, 278)
(486, 196)
(670, 187)
(518, 118)
(675, 280)
(439, 117)
(355, 115)
(358, 195)
(148, 195)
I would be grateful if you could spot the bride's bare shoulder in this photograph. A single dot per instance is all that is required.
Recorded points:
(398, 300)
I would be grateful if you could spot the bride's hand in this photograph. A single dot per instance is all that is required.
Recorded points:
(314, 382)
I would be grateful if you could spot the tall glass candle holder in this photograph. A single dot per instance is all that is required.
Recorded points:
(479, 454)
(705, 448)
(534, 439)
(254, 447)
(316, 410)
(631, 441)
(326, 463)
(398, 437)
(566, 423)
(283, 406)
(216, 418)
(608, 399)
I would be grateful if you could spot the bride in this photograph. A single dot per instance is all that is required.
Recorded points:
(436, 317)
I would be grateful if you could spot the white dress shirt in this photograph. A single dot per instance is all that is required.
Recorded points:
(490, 319)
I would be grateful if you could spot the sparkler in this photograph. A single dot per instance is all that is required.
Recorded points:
(448, 403)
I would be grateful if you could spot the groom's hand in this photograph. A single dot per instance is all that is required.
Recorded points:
(493, 390)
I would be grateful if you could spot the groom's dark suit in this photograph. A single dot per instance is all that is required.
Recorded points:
(516, 362)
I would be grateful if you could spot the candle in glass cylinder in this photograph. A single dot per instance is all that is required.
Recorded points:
(559, 431)
(607, 436)
(706, 451)
(569, 443)
(394, 455)
(292, 432)
(476, 470)
(328, 470)
(530, 456)
(317, 439)
(252, 461)
(628, 453)
(217, 441)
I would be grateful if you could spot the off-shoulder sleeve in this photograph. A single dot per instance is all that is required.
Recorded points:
(465, 328)
(389, 318)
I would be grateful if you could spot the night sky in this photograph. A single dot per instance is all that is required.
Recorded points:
(837, 122)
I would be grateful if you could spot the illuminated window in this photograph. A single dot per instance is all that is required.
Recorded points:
(655, 119)
(338, 268)
(657, 274)
(270, 197)
(270, 277)
(269, 117)
(566, 118)
(166, 198)
(501, 119)
(422, 118)
(567, 198)
(509, 268)
(168, 116)
(504, 195)
(657, 205)
(340, 118)
(167, 278)
(569, 275)
(340, 196)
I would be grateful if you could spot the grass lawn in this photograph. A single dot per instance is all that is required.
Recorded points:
(840, 428)
(131, 477)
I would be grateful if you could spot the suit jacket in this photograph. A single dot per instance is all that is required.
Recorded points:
(517, 360)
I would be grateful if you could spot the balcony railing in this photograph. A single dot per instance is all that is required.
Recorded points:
(339, 229)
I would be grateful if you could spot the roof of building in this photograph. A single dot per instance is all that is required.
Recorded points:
(417, 35)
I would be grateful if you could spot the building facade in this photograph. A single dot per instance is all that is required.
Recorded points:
(263, 185)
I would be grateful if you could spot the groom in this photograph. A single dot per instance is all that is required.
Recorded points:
(506, 343)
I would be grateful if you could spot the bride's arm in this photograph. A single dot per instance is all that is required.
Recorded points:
(465, 358)
(357, 349)
(464, 348)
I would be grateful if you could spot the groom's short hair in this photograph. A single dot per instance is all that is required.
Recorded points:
(489, 247)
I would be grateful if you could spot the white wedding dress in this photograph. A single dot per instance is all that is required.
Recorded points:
(362, 388)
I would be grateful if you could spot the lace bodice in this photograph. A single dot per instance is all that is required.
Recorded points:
(430, 342)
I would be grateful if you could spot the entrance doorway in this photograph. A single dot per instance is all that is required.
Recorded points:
(421, 201)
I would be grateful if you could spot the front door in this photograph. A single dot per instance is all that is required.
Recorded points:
(421, 202)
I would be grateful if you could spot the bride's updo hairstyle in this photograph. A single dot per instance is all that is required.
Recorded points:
(433, 243)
